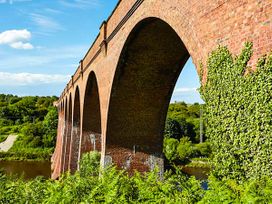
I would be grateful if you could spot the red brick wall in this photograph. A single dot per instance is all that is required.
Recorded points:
(201, 25)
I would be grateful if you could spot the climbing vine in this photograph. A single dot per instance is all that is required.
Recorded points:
(239, 114)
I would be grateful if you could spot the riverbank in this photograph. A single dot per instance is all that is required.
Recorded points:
(27, 154)
(199, 163)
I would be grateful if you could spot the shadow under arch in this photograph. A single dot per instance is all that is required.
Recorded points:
(68, 128)
(91, 127)
(75, 137)
(148, 68)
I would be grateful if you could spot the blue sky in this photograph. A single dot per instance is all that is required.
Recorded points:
(41, 43)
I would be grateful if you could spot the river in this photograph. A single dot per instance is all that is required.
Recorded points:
(32, 169)
(199, 172)
(27, 169)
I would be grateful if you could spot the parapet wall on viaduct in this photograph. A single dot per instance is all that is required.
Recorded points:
(117, 100)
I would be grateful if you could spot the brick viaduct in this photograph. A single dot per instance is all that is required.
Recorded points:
(117, 100)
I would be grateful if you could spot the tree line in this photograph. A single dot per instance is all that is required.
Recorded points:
(184, 135)
(35, 121)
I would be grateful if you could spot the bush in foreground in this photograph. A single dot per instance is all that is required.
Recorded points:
(115, 186)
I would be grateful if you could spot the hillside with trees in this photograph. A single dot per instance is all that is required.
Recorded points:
(34, 120)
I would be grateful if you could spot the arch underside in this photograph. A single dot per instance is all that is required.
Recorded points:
(68, 128)
(74, 149)
(148, 68)
(91, 129)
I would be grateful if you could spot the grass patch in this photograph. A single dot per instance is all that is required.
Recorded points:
(3, 138)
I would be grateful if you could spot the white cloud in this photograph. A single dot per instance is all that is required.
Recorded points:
(184, 90)
(80, 4)
(22, 79)
(11, 36)
(45, 23)
(16, 38)
(21, 45)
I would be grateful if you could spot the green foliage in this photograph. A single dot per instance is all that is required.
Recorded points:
(27, 154)
(5, 122)
(170, 148)
(229, 191)
(50, 124)
(238, 111)
(114, 186)
(20, 110)
(111, 186)
(90, 164)
(173, 129)
(3, 138)
(183, 120)
(185, 149)
(35, 120)
(203, 149)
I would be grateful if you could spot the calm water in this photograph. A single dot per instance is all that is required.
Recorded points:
(32, 169)
(27, 169)
(198, 172)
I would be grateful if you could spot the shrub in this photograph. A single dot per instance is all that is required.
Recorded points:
(185, 149)
(170, 148)
(112, 186)
(230, 191)
(3, 138)
(5, 130)
(173, 129)
(90, 164)
(203, 149)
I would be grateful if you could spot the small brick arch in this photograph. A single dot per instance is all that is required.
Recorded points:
(91, 127)
(75, 134)
(68, 128)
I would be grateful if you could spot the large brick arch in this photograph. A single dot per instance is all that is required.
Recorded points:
(148, 68)
(76, 132)
(200, 25)
(91, 127)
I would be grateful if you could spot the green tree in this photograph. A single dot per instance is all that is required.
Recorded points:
(185, 149)
(170, 148)
(50, 125)
(173, 129)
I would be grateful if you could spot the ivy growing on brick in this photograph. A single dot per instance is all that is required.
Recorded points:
(239, 114)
